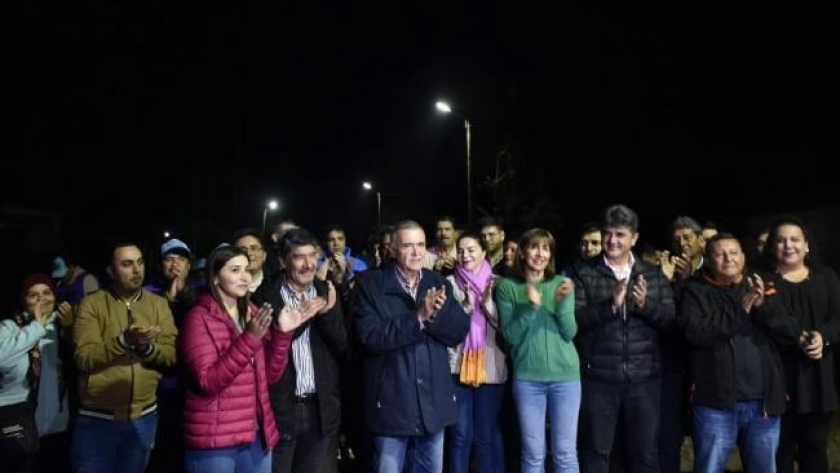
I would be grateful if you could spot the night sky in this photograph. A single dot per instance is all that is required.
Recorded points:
(202, 111)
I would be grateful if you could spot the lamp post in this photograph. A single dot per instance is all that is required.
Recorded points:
(270, 205)
(444, 107)
(368, 187)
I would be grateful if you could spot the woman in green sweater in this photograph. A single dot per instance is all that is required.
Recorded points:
(537, 310)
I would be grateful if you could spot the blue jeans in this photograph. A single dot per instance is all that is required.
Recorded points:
(563, 402)
(251, 458)
(716, 432)
(425, 454)
(477, 427)
(113, 446)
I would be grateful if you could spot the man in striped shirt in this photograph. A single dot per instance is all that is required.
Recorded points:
(306, 400)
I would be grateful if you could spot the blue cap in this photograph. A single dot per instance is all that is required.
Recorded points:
(200, 264)
(59, 267)
(175, 246)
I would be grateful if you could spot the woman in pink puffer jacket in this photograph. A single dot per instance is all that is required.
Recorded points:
(232, 351)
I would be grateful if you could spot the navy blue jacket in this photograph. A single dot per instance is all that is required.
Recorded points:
(408, 388)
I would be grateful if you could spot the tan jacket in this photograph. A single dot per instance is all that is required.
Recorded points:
(115, 382)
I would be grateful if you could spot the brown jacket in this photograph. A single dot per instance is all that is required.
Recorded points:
(115, 382)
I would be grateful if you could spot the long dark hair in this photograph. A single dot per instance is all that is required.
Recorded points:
(215, 262)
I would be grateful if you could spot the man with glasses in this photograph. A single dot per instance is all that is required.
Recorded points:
(249, 240)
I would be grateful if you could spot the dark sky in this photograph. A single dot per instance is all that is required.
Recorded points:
(201, 111)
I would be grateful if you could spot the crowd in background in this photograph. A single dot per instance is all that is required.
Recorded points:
(470, 350)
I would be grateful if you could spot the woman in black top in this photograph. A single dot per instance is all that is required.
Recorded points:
(812, 295)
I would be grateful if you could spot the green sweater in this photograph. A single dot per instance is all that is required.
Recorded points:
(540, 337)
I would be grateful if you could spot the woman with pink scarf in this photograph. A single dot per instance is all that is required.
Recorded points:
(537, 310)
(478, 364)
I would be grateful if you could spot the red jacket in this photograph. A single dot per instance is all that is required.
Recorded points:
(228, 373)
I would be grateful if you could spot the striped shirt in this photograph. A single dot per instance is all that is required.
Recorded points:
(301, 351)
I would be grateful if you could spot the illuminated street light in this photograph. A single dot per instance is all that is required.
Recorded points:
(270, 205)
(444, 107)
(369, 187)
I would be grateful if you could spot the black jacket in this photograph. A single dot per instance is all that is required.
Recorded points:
(329, 345)
(815, 304)
(613, 349)
(711, 315)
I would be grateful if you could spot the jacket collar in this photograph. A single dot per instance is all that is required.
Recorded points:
(391, 284)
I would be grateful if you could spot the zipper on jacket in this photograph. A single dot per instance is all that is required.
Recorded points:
(625, 342)
(130, 319)
(260, 414)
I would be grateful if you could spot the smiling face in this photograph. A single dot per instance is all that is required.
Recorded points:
(233, 279)
(727, 260)
(39, 296)
(300, 265)
(685, 242)
(537, 255)
(470, 254)
(790, 246)
(618, 242)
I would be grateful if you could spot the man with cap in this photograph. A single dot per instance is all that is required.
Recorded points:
(172, 279)
(72, 283)
(174, 285)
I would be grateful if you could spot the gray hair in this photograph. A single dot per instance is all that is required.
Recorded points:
(403, 225)
(684, 221)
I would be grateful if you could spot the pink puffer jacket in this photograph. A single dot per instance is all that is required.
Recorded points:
(228, 374)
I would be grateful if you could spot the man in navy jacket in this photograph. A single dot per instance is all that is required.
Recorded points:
(406, 318)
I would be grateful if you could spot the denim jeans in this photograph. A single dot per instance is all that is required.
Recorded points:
(113, 446)
(253, 458)
(563, 402)
(716, 431)
(424, 454)
(477, 429)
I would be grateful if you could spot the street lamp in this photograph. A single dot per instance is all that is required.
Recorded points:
(444, 107)
(368, 187)
(270, 205)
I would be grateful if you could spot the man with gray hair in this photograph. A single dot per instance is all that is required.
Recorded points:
(622, 306)
(687, 243)
(406, 318)
(683, 264)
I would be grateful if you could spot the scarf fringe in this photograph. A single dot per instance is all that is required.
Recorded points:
(474, 367)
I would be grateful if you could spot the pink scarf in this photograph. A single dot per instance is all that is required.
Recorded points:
(473, 363)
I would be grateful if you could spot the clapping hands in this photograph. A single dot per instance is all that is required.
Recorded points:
(755, 297)
(433, 302)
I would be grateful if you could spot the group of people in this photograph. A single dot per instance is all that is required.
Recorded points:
(413, 354)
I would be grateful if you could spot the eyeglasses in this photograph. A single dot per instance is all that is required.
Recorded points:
(251, 249)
